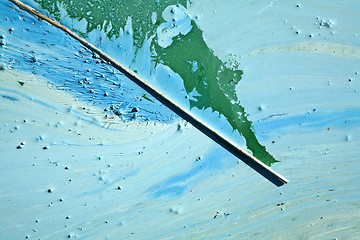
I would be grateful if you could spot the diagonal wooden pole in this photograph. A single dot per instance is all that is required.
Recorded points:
(246, 157)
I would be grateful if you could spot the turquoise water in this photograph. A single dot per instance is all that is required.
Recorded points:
(170, 37)
(87, 154)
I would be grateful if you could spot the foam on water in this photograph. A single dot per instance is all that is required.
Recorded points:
(177, 22)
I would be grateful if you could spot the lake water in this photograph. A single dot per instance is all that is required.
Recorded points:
(88, 154)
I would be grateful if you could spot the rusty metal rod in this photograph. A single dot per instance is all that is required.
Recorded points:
(243, 155)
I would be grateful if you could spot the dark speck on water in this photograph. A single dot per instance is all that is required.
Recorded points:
(135, 109)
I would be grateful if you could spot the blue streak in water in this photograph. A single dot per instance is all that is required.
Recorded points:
(10, 98)
(317, 119)
(44, 104)
(176, 185)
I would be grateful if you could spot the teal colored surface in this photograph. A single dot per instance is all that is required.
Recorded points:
(117, 174)
(213, 80)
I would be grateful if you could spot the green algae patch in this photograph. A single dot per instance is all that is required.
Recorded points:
(215, 83)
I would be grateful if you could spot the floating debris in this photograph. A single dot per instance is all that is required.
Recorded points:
(135, 110)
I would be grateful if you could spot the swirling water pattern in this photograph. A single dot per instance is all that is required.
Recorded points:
(72, 170)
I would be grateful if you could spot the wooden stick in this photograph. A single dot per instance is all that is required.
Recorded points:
(247, 158)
